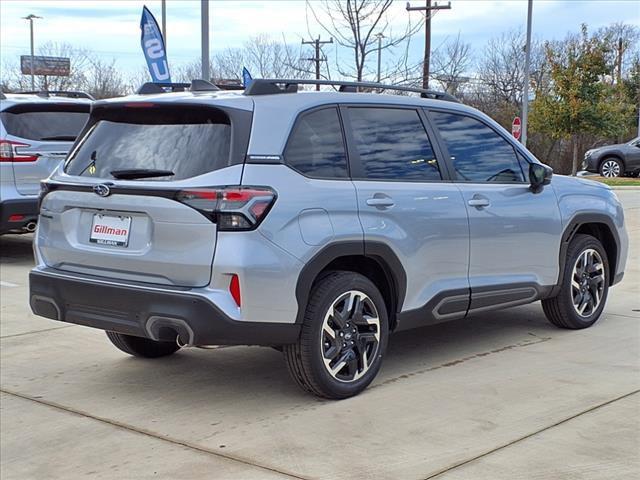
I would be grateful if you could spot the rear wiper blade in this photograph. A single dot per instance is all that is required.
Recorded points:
(134, 173)
(62, 138)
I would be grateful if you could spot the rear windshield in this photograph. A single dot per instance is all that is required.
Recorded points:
(45, 122)
(186, 142)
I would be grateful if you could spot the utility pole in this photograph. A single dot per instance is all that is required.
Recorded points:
(379, 36)
(204, 18)
(31, 17)
(525, 90)
(428, 8)
(317, 59)
(164, 23)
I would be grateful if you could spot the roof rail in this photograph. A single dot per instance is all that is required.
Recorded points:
(159, 87)
(59, 93)
(268, 86)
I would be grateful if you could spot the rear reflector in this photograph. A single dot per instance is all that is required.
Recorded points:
(234, 289)
(16, 218)
(232, 208)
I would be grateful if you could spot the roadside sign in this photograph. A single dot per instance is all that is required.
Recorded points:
(56, 66)
(516, 128)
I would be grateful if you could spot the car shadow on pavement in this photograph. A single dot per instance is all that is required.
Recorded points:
(16, 249)
(237, 378)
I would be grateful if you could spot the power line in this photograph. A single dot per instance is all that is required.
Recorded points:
(428, 8)
(317, 58)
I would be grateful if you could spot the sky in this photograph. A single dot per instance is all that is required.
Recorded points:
(111, 28)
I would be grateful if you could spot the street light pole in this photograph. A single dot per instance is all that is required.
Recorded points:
(204, 16)
(164, 23)
(31, 17)
(380, 37)
(525, 90)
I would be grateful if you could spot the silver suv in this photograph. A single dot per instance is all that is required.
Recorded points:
(36, 133)
(314, 222)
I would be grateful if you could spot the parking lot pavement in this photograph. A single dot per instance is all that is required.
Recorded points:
(502, 395)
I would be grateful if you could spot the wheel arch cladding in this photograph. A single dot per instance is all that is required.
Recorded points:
(374, 260)
(599, 226)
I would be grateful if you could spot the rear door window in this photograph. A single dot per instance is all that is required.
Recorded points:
(393, 145)
(185, 141)
(45, 122)
(316, 147)
(478, 153)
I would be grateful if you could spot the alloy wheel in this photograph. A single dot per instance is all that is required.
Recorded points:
(350, 338)
(587, 282)
(610, 169)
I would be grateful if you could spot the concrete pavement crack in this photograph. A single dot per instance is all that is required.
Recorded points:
(529, 435)
(148, 433)
(35, 331)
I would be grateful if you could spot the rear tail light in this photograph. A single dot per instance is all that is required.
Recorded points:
(231, 208)
(9, 152)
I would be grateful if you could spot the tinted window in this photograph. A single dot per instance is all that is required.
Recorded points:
(477, 152)
(45, 123)
(393, 144)
(316, 147)
(187, 142)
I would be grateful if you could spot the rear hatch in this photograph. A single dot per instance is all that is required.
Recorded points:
(121, 209)
(39, 136)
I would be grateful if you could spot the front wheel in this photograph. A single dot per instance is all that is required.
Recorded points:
(611, 168)
(343, 338)
(585, 285)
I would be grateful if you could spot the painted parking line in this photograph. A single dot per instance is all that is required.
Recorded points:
(8, 284)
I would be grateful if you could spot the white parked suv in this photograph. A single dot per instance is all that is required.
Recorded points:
(36, 133)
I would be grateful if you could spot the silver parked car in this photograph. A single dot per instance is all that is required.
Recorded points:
(36, 133)
(314, 222)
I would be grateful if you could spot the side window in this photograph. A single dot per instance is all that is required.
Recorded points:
(478, 153)
(393, 144)
(316, 146)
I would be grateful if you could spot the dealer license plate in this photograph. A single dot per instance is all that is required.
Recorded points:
(110, 230)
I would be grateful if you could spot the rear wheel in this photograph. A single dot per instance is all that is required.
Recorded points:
(142, 347)
(611, 167)
(343, 339)
(585, 285)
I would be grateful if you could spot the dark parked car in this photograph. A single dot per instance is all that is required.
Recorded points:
(614, 160)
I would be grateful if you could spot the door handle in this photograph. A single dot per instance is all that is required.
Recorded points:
(380, 202)
(479, 202)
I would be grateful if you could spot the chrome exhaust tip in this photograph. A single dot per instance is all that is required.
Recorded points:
(31, 227)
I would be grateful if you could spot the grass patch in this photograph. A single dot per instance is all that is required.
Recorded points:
(616, 182)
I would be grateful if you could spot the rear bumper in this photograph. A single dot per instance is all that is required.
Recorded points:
(159, 314)
(27, 207)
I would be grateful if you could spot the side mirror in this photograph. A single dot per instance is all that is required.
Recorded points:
(539, 176)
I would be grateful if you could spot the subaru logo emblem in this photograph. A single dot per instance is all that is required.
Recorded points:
(102, 190)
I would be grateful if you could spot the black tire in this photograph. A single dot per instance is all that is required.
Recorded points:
(305, 359)
(560, 310)
(142, 347)
(606, 166)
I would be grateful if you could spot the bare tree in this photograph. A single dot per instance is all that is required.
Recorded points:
(620, 39)
(262, 55)
(354, 25)
(104, 79)
(450, 62)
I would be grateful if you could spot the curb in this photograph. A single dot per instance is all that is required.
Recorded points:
(625, 187)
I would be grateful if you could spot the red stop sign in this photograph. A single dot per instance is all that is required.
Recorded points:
(516, 128)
